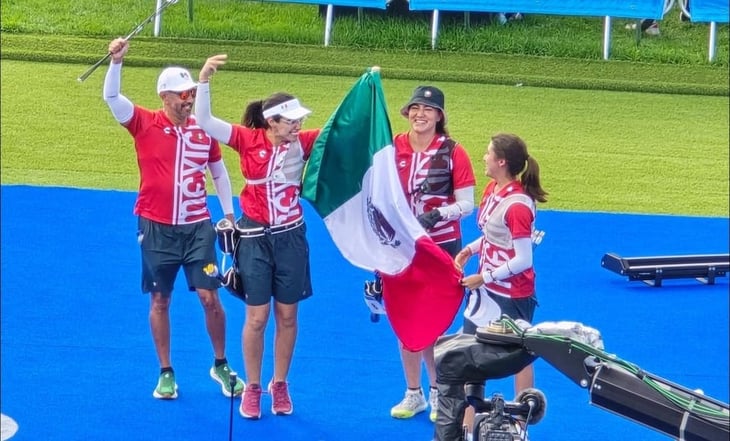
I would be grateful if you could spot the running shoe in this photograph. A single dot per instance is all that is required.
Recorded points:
(166, 387)
(222, 375)
(412, 404)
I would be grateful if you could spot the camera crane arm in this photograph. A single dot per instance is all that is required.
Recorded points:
(622, 387)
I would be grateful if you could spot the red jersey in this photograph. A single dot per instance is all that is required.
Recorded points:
(273, 174)
(450, 172)
(172, 163)
(502, 218)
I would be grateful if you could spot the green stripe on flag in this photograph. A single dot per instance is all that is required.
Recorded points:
(344, 150)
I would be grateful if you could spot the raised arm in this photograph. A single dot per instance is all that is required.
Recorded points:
(121, 107)
(217, 128)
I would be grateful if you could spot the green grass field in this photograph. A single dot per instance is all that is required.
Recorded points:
(598, 150)
(628, 136)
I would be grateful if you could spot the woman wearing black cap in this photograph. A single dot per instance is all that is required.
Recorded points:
(437, 177)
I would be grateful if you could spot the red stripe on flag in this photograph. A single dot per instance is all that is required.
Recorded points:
(423, 299)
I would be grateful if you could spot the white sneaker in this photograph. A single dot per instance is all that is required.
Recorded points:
(412, 403)
(653, 29)
(433, 403)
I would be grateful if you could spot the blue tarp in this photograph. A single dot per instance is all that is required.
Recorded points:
(379, 4)
(709, 10)
(600, 8)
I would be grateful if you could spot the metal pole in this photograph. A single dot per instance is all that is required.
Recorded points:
(157, 19)
(434, 28)
(606, 37)
(328, 24)
(713, 40)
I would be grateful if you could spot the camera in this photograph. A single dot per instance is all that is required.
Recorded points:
(500, 420)
(496, 424)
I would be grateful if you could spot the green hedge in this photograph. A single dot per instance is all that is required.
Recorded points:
(413, 65)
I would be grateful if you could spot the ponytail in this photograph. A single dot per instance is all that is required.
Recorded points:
(253, 116)
(531, 180)
(514, 150)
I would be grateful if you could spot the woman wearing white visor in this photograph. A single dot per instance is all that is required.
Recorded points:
(272, 256)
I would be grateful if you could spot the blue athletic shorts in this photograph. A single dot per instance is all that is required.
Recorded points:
(166, 248)
(274, 262)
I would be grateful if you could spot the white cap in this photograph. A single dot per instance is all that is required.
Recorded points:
(175, 79)
(288, 109)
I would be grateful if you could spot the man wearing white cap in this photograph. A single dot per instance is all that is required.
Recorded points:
(174, 225)
(272, 256)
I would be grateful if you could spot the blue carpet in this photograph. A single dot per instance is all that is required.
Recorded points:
(78, 361)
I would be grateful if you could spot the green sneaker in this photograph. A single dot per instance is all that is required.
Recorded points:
(166, 387)
(221, 375)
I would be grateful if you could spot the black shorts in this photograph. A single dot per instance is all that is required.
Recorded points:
(522, 308)
(165, 248)
(274, 263)
(452, 247)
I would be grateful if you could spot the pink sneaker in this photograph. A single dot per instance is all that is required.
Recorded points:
(280, 399)
(251, 402)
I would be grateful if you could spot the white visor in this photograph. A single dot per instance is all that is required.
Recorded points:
(289, 109)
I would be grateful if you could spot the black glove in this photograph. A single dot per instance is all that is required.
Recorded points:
(430, 218)
(374, 296)
(232, 281)
(227, 236)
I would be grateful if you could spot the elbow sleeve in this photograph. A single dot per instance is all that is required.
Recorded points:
(121, 107)
(222, 184)
(463, 206)
(519, 263)
(215, 127)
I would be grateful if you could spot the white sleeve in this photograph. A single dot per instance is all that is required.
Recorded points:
(517, 264)
(476, 246)
(222, 184)
(462, 207)
(121, 107)
(217, 128)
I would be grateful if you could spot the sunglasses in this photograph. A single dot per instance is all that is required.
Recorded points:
(291, 122)
(185, 94)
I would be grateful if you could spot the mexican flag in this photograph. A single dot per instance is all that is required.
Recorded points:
(352, 182)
